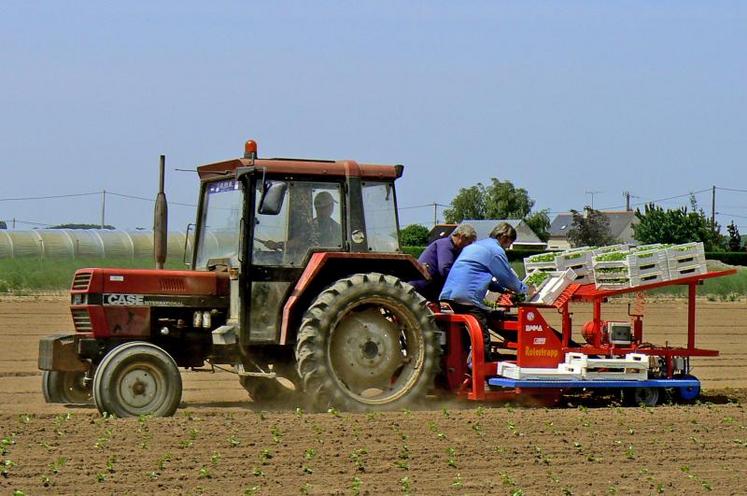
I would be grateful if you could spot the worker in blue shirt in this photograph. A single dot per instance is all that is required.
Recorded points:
(439, 256)
(482, 266)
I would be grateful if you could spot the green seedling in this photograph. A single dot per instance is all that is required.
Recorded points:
(57, 465)
(233, 441)
(305, 488)
(5, 467)
(405, 484)
(358, 458)
(166, 457)
(265, 456)
(277, 434)
(204, 473)
(457, 482)
(215, 458)
(306, 469)
(309, 454)
(451, 460)
(46, 481)
(356, 485)
(110, 464)
(101, 477)
(251, 491)
(257, 472)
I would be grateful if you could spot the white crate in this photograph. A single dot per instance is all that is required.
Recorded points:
(633, 367)
(635, 269)
(607, 249)
(579, 260)
(531, 266)
(686, 260)
(678, 272)
(554, 287)
(609, 282)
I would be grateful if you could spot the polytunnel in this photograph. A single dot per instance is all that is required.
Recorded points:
(85, 243)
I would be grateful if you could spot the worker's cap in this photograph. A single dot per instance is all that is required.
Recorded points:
(323, 199)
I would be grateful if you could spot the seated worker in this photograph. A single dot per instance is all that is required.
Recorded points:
(327, 231)
(472, 275)
(439, 256)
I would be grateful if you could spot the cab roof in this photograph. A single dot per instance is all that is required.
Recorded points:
(293, 166)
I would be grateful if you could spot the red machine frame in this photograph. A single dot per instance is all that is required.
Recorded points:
(469, 382)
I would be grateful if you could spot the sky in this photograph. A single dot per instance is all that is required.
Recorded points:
(560, 98)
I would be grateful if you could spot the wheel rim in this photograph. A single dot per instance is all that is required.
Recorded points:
(141, 388)
(646, 396)
(376, 351)
(75, 388)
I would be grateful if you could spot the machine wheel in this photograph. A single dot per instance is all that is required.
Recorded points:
(137, 378)
(367, 342)
(641, 396)
(66, 387)
(686, 394)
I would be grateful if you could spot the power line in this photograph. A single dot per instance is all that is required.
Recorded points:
(152, 200)
(659, 199)
(732, 189)
(50, 197)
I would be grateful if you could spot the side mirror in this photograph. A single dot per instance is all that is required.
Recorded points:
(273, 194)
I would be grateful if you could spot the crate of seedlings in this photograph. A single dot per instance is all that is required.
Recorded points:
(580, 260)
(541, 261)
(686, 260)
(626, 269)
(552, 284)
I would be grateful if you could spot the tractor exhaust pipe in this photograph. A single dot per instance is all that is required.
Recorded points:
(161, 220)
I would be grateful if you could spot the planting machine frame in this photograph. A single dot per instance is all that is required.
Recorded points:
(531, 344)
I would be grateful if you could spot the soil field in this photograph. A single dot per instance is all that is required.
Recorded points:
(219, 442)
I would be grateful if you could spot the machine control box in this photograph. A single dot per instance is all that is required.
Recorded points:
(619, 332)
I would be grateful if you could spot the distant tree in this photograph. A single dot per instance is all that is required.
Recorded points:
(539, 222)
(498, 200)
(735, 239)
(3, 225)
(590, 228)
(469, 203)
(81, 226)
(414, 235)
(677, 225)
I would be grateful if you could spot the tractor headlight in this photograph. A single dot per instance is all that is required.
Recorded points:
(79, 299)
(207, 320)
(197, 319)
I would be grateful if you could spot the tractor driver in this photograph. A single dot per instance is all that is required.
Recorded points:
(438, 259)
(328, 232)
(473, 274)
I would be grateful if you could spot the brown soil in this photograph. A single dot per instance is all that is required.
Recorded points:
(215, 443)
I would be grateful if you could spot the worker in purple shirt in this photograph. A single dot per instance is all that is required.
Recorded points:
(438, 258)
(483, 266)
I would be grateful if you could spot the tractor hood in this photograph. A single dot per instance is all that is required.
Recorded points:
(149, 282)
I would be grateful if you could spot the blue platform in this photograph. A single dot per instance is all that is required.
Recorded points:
(576, 384)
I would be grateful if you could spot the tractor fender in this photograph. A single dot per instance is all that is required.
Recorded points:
(324, 268)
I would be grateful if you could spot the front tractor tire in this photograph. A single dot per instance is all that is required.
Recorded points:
(137, 378)
(368, 342)
(68, 387)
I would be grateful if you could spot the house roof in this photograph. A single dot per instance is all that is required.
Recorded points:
(524, 233)
(619, 221)
(440, 231)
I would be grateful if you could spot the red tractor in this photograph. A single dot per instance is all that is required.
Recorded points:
(296, 273)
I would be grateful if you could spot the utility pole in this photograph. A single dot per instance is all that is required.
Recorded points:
(592, 193)
(103, 209)
(713, 209)
(626, 194)
(435, 214)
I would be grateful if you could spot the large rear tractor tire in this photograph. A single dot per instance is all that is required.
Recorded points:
(368, 342)
(66, 387)
(137, 378)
